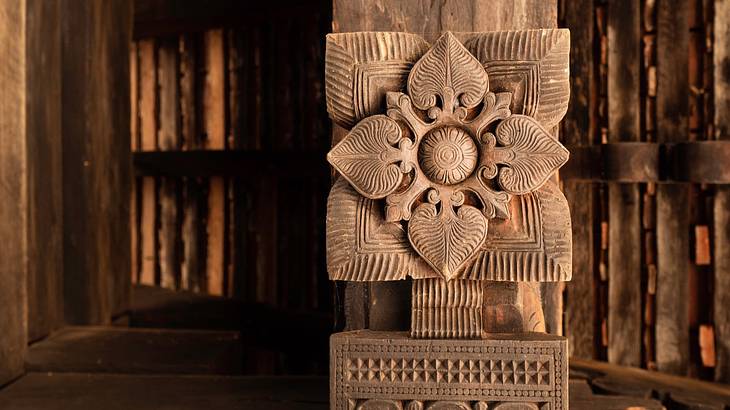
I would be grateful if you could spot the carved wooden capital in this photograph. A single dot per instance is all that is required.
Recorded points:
(452, 182)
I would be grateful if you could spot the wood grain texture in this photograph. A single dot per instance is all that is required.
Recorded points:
(148, 107)
(168, 139)
(579, 128)
(194, 205)
(214, 127)
(96, 158)
(45, 200)
(721, 206)
(13, 189)
(624, 260)
(672, 210)
(429, 19)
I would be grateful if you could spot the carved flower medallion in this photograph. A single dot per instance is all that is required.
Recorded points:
(447, 156)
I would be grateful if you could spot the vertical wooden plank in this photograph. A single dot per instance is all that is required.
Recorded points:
(579, 127)
(134, 145)
(267, 193)
(624, 259)
(168, 139)
(45, 206)
(240, 99)
(721, 208)
(194, 201)
(672, 227)
(214, 126)
(134, 96)
(96, 158)
(429, 19)
(13, 194)
(148, 142)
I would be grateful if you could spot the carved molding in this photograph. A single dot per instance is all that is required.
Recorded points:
(397, 372)
(361, 67)
(450, 154)
(441, 309)
(533, 61)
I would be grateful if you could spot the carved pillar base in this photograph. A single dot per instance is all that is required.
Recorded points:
(390, 371)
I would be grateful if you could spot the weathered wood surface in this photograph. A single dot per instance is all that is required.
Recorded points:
(194, 200)
(579, 127)
(124, 392)
(721, 211)
(624, 260)
(214, 131)
(98, 349)
(672, 200)
(147, 108)
(45, 200)
(168, 139)
(673, 391)
(14, 183)
(96, 166)
(429, 20)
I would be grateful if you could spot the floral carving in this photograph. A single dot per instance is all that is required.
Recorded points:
(447, 157)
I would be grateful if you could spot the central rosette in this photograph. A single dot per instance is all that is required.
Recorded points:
(447, 155)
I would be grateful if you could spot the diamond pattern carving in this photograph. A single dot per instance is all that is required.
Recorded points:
(389, 365)
(500, 371)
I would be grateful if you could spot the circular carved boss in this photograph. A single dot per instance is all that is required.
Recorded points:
(447, 155)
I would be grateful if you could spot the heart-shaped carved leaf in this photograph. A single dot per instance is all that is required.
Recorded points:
(447, 71)
(533, 154)
(367, 158)
(447, 240)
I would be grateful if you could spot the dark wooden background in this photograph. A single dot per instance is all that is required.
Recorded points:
(229, 135)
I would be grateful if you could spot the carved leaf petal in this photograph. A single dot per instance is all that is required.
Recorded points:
(367, 158)
(535, 154)
(447, 240)
(447, 71)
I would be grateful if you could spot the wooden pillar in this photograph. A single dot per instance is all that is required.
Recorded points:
(579, 128)
(96, 158)
(13, 190)
(624, 124)
(673, 210)
(721, 57)
(384, 305)
(45, 199)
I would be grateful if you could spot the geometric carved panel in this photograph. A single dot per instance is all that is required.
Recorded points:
(389, 366)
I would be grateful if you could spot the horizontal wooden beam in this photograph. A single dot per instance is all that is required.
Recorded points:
(240, 163)
(696, 162)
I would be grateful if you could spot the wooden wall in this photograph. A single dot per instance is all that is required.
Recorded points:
(641, 105)
(64, 169)
(13, 197)
(96, 159)
(229, 134)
